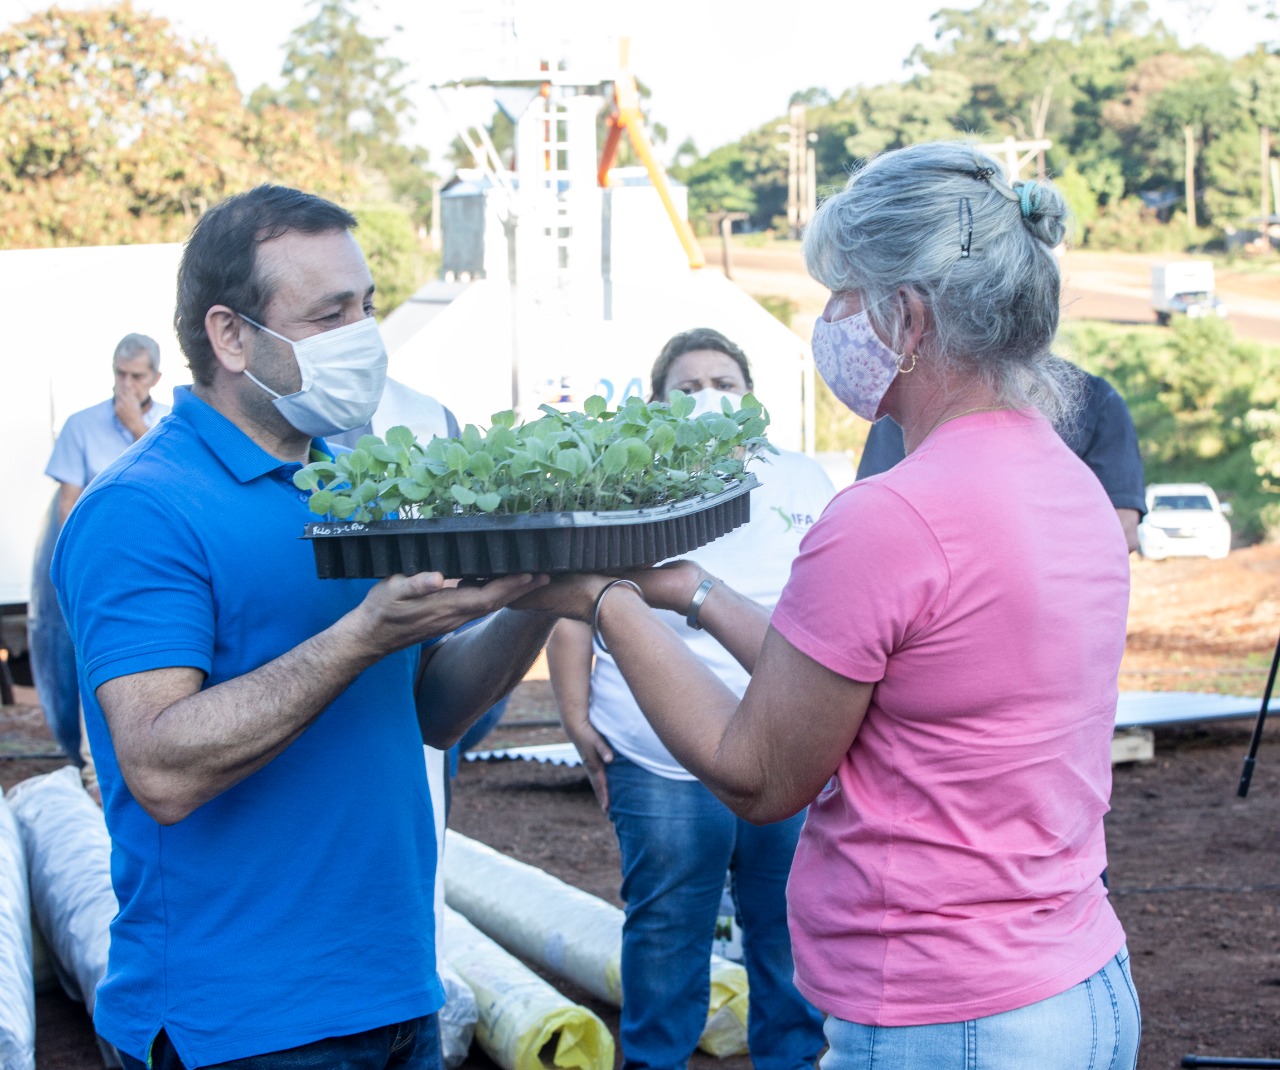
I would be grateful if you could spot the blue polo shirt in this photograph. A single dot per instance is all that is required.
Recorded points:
(296, 905)
(91, 439)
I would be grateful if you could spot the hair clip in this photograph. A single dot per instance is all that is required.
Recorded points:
(983, 174)
(964, 212)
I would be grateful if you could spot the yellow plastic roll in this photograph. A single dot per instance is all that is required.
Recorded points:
(524, 1024)
(571, 934)
(726, 1029)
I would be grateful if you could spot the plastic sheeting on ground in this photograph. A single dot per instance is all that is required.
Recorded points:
(460, 1013)
(17, 990)
(1151, 709)
(571, 933)
(525, 1024)
(69, 869)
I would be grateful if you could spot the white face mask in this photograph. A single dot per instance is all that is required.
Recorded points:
(708, 400)
(854, 362)
(343, 372)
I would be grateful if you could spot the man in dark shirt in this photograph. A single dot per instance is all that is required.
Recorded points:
(1103, 436)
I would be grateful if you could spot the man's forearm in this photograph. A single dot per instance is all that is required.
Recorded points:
(179, 746)
(471, 670)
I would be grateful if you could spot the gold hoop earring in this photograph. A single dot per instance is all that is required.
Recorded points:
(908, 370)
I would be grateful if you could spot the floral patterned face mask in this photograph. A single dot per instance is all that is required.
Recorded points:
(854, 362)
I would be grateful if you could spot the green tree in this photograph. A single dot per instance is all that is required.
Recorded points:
(116, 130)
(343, 77)
(1188, 120)
(357, 95)
(749, 175)
(397, 260)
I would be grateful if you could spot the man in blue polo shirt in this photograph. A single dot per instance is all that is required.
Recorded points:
(258, 731)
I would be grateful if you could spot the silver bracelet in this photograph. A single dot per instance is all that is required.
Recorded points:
(595, 611)
(695, 604)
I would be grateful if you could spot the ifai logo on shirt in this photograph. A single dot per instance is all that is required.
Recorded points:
(800, 522)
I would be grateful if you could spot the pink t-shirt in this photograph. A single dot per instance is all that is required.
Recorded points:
(951, 867)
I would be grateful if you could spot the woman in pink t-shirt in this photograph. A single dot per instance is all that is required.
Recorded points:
(938, 680)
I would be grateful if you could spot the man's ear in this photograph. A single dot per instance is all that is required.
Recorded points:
(226, 335)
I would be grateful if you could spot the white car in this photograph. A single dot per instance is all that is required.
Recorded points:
(1183, 520)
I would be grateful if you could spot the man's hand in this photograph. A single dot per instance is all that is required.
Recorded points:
(403, 610)
(129, 410)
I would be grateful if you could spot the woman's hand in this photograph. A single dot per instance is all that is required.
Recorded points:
(595, 752)
(571, 595)
(670, 586)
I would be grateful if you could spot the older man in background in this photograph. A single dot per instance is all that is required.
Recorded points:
(89, 441)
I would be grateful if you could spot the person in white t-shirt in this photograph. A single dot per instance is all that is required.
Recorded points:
(677, 840)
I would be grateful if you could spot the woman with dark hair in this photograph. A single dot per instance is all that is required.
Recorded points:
(677, 840)
(938, 681)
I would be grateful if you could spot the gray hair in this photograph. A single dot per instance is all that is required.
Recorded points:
(938, 220)
(138, 345)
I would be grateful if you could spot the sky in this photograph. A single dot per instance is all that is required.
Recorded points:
(717, 68)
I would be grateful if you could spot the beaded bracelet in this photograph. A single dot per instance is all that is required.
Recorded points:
(595, 610)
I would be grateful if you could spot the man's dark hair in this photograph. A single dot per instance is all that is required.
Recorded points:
(690, 342)
(220, 262)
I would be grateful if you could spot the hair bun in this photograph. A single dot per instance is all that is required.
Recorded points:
(1044, 211)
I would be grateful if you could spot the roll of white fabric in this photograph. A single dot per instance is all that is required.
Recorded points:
(570, 933)
(17, 989)
(524, 1023)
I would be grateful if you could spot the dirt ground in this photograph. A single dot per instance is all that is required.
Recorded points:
(1193, 868)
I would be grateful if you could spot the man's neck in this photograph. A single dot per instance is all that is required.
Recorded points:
(273, 434)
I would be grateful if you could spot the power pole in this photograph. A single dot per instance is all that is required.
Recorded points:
(1189, 136)
(795, 168)
(1265, 225)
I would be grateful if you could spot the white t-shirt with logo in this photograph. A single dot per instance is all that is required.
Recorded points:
(754, 560)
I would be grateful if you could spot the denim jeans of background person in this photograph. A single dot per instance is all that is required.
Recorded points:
(676, 837)
(412, 1045)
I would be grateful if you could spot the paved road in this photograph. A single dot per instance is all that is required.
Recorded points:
(1103, 286)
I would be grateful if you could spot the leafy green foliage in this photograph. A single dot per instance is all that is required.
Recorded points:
(638, 456)
(346, 82)
(397, 259)
(1204, 404)
(1105, 82)
(115, 129)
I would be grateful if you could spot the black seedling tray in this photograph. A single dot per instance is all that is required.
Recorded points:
(481, 547)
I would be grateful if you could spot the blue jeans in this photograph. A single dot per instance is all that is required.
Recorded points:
(1094, 1026)
(412, 1045)
(677, 841)
(53, 655)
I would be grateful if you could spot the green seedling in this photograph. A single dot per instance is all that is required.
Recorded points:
(638, 456)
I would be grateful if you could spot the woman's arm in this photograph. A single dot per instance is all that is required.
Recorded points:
(736, 622)
(569, 663)
(766, 757)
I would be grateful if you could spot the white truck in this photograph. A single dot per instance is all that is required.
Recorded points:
(1184, 287)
